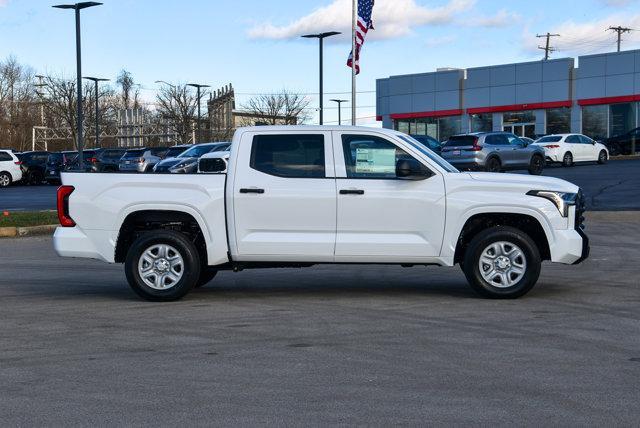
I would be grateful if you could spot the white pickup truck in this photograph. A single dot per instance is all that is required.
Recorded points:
(298, 195)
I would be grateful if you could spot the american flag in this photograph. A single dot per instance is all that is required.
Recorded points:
(365, 23)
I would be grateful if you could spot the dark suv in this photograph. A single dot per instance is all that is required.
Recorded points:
(33, 166)
(56, 162)
(106, 160)
(623, 144)
(493, 152)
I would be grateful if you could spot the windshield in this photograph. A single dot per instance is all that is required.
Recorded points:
(197, 151)
(174, 151)
(428, 153)
(550, 139)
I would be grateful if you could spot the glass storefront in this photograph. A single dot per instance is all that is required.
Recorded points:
(520, 123)
(595, 121)
(559, 120)
(440, 128)
(482, 122)
(622, 118)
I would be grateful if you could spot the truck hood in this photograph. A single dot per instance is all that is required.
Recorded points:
(521, 181)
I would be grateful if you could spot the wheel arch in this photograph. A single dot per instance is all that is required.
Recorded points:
(528, 222)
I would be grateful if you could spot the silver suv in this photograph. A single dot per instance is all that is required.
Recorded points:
(493, 152)
(141, 159)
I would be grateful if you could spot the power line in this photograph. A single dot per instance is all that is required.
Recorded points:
(547, 48)
(620, 30)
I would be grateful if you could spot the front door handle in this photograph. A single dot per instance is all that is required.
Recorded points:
(352, 192)
(252, 190)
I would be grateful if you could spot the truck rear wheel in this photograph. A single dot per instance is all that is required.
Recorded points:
(162, 266)
(502, 263)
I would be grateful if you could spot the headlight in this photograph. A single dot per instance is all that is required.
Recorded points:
(182, 164)
(562, 200)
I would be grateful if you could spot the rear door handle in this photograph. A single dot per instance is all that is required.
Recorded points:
(352, 192)
(252, 190)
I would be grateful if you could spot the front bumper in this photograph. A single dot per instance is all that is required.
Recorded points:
(571, 246)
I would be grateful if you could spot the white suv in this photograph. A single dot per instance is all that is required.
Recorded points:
(10, 171)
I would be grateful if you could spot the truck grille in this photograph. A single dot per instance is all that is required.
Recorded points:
(580, 209)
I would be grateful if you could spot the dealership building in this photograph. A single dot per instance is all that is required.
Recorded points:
(596, 95)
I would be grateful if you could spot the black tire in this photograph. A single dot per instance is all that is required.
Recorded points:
(567, 159)
(602, 157)
(206, 275)
(492, 164)
(536, 165)
(190, 272)
(5, 179)
(36, 178)
(510, 235)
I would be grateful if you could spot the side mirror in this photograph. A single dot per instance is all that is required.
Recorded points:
(411, 169)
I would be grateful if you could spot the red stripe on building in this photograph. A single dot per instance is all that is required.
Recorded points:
(519, 107)
(608, 100)
(436, 113)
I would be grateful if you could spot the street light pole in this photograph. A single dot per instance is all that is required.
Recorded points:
(77, 7)
(198, 86)
(321, 37)
(339, 109)
(95, 81)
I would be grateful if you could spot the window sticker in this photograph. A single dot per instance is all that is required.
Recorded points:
(375, 161)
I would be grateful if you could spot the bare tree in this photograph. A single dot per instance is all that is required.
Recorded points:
(177, 105)
(129, 91)
(18, 112)
(282, 108)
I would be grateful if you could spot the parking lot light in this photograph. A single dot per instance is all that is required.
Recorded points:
(77, 7)
(198, 86)
(95, 81)
(321, 37)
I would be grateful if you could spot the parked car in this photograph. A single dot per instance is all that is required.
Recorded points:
(570, 148)
(142, 159)
(33, 165)
(187, 162)
(213, 163)
(429, 142)
(623, 144)
(87, 156)
(56, 162)
(296, 196)
(174, 151)
(10, 171)
(106, 160)
(493, 152)
(527, 140)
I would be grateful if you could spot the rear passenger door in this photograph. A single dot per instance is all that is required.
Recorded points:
(284, 197)
(499, 145)
(520, 155)
(575, 147)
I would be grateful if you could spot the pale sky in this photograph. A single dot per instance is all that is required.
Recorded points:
(256, 46)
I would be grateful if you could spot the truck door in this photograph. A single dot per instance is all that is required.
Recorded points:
(383, 218)
(284, 197)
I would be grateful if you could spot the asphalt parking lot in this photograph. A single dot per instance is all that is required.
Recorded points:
(374, 345)
(611, 187)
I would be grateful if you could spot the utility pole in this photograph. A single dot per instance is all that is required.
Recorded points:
(620, 30)
(547, 48)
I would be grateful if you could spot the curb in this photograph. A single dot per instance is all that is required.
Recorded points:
(19, 232)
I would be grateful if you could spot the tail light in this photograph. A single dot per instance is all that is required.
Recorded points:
(18, 163)
(475, 147)
(92, 160)
(552, 146)
(63, 206)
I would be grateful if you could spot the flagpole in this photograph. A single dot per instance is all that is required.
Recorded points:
(354, 22)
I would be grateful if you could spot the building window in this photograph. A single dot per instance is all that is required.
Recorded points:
(440, 128)
(448, 126)
(595, 121)
(482, 122)
(559, 120)
(622, 118)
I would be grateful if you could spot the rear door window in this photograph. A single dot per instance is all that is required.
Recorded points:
(573, 139)
(496, 139)
(289, 155)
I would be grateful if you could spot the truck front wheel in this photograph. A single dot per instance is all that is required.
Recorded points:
(162, 266)
(502, 263)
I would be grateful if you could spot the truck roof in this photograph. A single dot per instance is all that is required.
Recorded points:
(283, 128)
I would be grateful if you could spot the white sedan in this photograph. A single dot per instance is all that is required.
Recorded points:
(570, 148)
